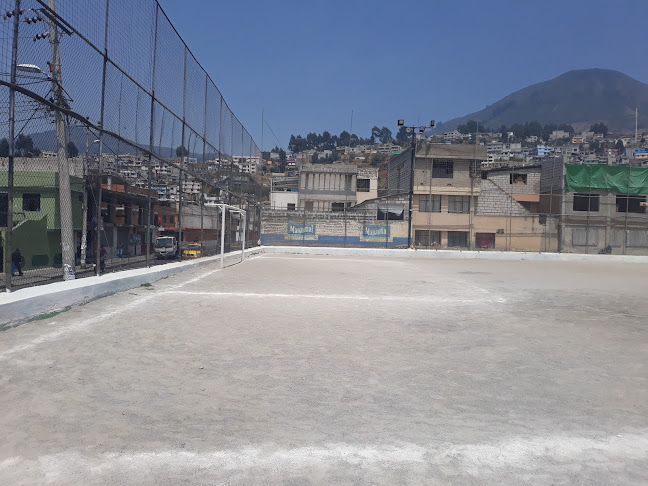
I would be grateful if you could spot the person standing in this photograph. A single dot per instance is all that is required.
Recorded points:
(102, 259)
(16, 262)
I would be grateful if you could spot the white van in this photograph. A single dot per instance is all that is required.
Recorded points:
(166, 247)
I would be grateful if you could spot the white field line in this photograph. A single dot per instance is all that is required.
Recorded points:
(397, 298)
(45, 338)
(509, 455)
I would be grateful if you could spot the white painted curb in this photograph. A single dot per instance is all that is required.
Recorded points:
(455, 254)
(25, 304)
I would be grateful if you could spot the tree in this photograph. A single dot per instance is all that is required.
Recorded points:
(24, 147)
(385, 135)
(620, 147)
(282, 160)
(344, 139)
(375, 133)
(181, 151)
(72, 150)
(4, 148)
(599, 128)
(469, 127)
(315, 158)
(402, 136)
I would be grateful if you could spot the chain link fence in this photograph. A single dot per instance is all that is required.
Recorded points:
(113, 135)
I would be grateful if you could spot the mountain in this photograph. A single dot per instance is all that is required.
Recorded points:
(580, 98)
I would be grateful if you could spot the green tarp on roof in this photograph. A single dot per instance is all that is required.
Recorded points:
(611, 178)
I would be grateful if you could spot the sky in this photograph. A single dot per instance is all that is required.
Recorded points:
(309, 64)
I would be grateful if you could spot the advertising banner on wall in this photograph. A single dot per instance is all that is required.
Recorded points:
(297, 231)
(375, 232)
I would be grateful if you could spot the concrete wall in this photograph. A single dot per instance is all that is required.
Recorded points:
(495, 200)
(503, 180)
(457, 255)
(25, 304)
(334, 229)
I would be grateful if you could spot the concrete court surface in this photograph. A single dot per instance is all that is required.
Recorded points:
(298, 370)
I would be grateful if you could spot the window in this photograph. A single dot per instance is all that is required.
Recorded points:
(458, 239)
(485, 241)
(391, 212)
(308, 205)
(581, 237)
(290, 206)
(338, 206)
(31, 202)
(586, 202)
(442, 169)
(458, 204)
(430, 204)
(362, 185)
(427, 238)
(630, 204)
(518, 179)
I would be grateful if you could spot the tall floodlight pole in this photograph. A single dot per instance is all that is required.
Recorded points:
(65, 192)
(12, 148)
(413, 129)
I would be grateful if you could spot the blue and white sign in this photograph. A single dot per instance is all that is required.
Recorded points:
(301, 230)
(375, 232)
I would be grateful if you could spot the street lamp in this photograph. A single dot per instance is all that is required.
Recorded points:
(412, 130)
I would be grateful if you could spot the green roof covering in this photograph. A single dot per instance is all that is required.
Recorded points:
(611, 178)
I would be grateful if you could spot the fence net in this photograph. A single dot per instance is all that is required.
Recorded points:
(112, 135)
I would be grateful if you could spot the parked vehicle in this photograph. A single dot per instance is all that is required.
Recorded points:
(166, 247)
(193, 250)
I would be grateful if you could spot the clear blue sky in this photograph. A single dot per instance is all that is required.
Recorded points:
(309, 63)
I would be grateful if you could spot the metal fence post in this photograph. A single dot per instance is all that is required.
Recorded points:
(101, 136)
(222, 249)
(12, 147)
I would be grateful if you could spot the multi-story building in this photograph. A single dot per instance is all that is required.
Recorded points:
(446, 187)
(598, 206)
(36, 214)
(456, 205)
(334, 187)
(284, 192)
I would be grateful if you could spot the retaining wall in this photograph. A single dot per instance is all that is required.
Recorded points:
(25, 304)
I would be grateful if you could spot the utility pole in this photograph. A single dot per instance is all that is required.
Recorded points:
(84, 218)
(12, 149)
(413, 129)
(65, 193)
(411, 191)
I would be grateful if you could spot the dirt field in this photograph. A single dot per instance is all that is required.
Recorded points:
(319, 370)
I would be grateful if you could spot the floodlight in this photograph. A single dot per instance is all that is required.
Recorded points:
(29, 68)
(401, 123)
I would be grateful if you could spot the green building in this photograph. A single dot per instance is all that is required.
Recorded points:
(36, 216)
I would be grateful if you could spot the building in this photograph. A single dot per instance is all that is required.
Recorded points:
(446, 187)
(335, 187)
(284, 192)
(456, 205)
(598, 206)
(36, 202)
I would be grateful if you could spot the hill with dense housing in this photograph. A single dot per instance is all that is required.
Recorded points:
(580, 98)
